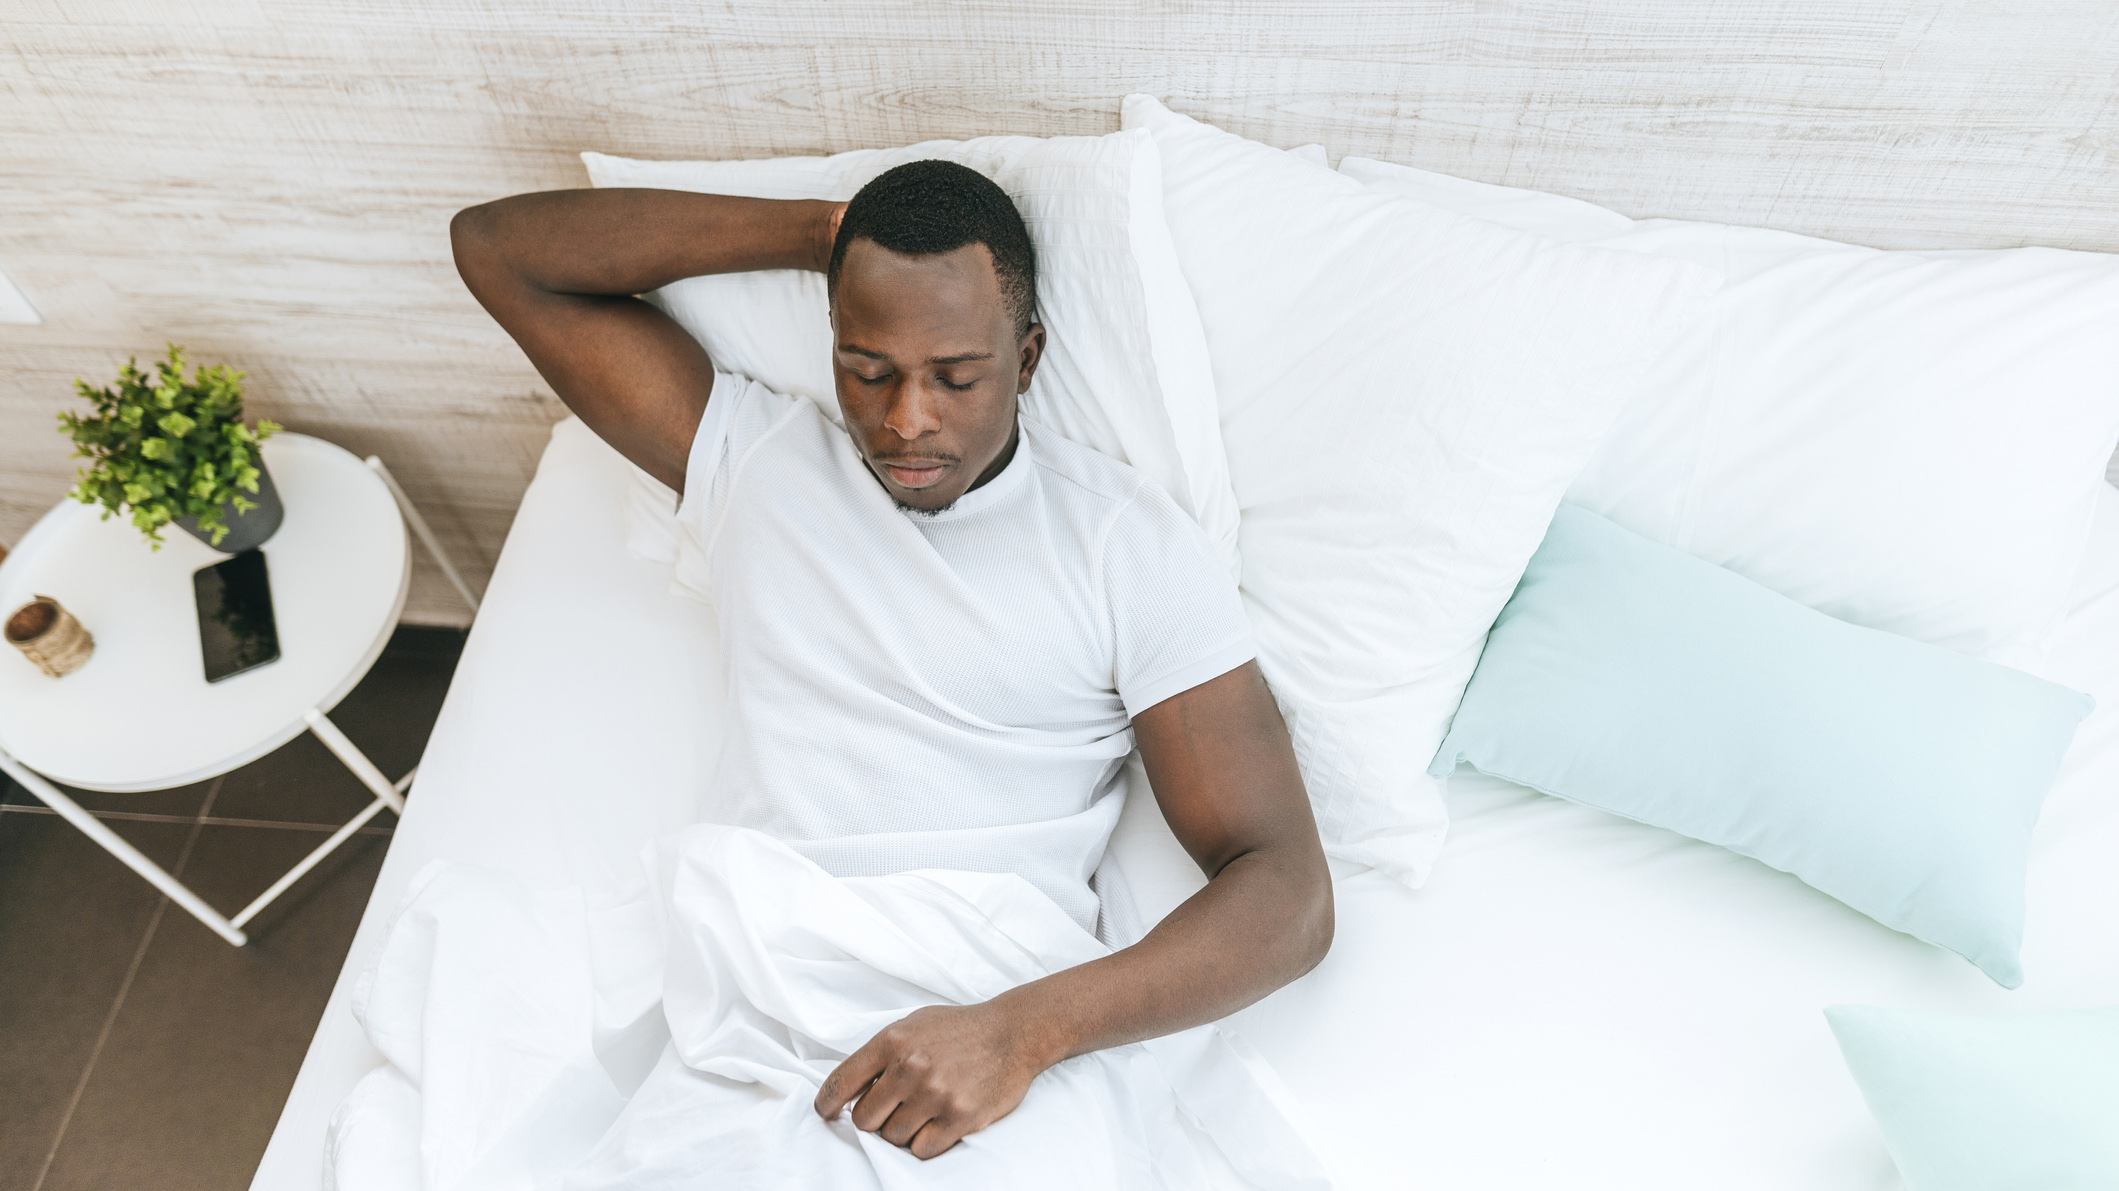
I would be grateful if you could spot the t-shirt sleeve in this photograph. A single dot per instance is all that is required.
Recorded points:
(1176, 618)
(739, 413)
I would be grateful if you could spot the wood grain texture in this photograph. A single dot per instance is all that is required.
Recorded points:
(269, 182)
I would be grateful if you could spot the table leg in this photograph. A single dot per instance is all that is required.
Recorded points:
(387, 794)
(113, 843)
(322, 850)
(354, 759)
(424, 533)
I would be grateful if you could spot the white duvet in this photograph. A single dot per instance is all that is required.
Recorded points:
(1574, 1000)
(673, 1034)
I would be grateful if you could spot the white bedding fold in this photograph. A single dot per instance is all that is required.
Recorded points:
(523, 1028)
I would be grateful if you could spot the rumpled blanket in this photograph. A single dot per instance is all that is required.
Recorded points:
(673, 1034)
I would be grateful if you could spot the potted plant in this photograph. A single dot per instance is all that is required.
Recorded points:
(168, 450)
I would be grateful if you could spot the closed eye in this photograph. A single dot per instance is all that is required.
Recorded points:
(959, 388)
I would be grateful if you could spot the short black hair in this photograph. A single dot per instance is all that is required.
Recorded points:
(925, 207)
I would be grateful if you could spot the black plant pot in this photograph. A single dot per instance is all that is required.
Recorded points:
(246, 531)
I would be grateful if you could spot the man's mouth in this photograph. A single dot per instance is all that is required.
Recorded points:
(915, 473)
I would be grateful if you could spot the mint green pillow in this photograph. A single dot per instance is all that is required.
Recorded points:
(2001, 1103)
(1899, 777)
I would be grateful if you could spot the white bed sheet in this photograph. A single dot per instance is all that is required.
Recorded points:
(1572, 998)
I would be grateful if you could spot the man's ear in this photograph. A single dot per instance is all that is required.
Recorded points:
(1029, 352)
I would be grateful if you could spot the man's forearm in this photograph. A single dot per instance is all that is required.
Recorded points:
(1264, 920)
(630, 241)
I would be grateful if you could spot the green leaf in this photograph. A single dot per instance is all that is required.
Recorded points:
(157, 445)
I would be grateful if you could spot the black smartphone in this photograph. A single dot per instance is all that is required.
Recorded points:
(236, 629)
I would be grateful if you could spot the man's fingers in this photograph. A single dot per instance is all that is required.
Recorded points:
(934, 1138)
(906, 1120)
(848, 1081)
(880, 1100)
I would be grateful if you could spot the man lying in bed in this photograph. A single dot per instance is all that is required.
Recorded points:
(944, 626)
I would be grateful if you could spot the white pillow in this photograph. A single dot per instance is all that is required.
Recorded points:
(1125, 368)
(1405, 394)
(1911, 441)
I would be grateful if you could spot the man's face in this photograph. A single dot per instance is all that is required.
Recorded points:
(928, 367)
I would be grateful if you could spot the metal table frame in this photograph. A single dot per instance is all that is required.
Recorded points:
(387, 793)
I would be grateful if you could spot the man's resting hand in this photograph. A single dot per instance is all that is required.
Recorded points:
(934, 1076)
(1222, 769)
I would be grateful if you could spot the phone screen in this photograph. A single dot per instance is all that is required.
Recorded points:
(236, 629)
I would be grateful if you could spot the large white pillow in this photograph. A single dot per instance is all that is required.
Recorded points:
(1911, 441)
(1125, 368)
(1405, 395)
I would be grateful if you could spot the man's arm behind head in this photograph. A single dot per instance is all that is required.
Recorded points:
(558, 270)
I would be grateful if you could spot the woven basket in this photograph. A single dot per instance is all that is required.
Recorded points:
(49, 635)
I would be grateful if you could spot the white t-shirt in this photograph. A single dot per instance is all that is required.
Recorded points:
(941, 690)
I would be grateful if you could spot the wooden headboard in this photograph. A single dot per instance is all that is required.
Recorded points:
(269, 182)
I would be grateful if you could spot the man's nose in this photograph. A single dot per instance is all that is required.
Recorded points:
(912, 413)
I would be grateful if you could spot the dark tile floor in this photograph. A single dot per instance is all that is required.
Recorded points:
(138, 1050)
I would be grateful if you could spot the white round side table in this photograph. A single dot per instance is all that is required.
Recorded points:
(140, 714)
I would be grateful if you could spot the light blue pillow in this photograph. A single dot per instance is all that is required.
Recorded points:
(2017, 1101)
(1899, 777)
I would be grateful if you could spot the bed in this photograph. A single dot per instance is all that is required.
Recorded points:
(1572, 995)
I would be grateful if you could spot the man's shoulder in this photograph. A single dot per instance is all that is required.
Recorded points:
(743, 395)
(1084, 472)
(753, 413)
(746, 420)
(1112, 500)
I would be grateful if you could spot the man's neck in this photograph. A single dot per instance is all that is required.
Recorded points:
(1000, 461)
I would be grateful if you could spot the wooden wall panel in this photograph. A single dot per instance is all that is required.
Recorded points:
(269, 182)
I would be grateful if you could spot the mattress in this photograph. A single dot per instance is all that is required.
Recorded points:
(1573, 996)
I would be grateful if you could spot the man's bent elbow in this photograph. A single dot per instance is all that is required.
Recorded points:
(1318, 925)
(469, 230)
(1306, 919)
(474, 244)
